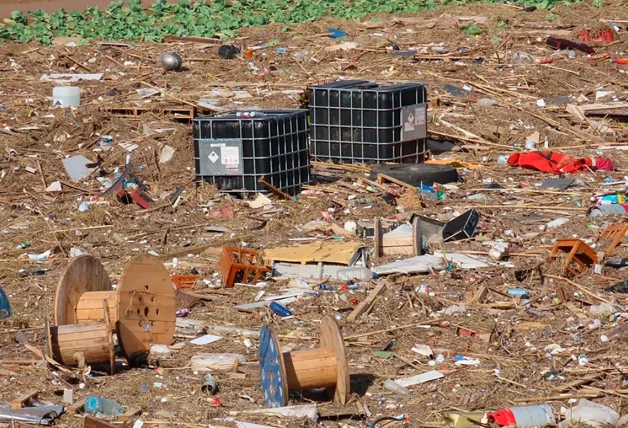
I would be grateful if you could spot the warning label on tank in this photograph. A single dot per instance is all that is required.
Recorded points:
(230, 158)
(220, 157)
(414, 122)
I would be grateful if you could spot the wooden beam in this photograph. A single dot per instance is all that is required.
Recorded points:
(383, 177)
(23, 399)
(92, 422)
(362, 306)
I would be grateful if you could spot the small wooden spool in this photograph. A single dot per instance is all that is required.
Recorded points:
(324, 367)
(90, 343)
(89, 307)
(142, 309)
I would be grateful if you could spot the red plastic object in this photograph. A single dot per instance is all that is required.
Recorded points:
(622, 61)
(503, 418)
(604, 36)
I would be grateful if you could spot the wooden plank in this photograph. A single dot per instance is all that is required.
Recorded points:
(92, 422)
(132, 412)
(362, 306)
(77, 407)
(382, 177)
(275, 190)
(22, 400)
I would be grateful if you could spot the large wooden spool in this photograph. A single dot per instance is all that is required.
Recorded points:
(142, 309)
(324, 367)
(87, 343)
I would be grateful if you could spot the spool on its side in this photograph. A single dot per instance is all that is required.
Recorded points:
(326, 366)
(272, 369)
(94, 340)
(146, 306)
(84, 274)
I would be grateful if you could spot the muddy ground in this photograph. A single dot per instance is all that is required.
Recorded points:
(514, 367)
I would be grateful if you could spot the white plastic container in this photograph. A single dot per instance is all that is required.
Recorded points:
(66, 96)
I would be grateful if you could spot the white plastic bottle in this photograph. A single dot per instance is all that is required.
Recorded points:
(395, 388)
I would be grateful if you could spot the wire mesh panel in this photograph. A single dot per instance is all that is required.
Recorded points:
(357, 121)
(235, 149)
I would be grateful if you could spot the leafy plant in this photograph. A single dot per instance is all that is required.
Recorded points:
(471, 29)
(129, 20)
(550, 17)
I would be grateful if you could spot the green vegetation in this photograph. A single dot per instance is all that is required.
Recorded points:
(472, 30)
(131, 21)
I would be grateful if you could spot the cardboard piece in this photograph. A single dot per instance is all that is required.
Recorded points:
(557, 183)
(167, 152)
(70, 77)
(55, 186)
(205, 339)
(417, 264)
(325, 252)
(76, 167)
(418, 379)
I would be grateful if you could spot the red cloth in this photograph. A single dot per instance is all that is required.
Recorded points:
(558, 163)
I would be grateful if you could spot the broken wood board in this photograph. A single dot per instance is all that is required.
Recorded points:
(22, 400)
(324, 252)
(180, 114)
(366, 303)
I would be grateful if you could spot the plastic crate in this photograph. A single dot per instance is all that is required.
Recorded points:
(357, 121)
(235, 149)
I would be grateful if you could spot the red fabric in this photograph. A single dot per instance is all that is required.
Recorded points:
(557, 163)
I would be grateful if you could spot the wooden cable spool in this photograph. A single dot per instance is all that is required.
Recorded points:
(142, 308)
(78, 344)
(324, 367)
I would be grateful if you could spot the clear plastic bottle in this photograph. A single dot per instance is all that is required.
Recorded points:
(359, 273)
(104, 406)
(395, 388)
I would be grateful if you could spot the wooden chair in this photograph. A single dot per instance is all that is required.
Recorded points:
(615, 232)
(580, 256)
(240, 265)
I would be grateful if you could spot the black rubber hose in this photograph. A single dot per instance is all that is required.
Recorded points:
(383, 419)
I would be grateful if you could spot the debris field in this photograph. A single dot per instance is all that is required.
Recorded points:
(502, 321)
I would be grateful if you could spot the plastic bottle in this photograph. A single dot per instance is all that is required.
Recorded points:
(502, 160)
(104, 406)
(524, 417)
(23, 245)
(394, 387)
(280, 310)
(486, 102)
(210, 385)
(359, 273)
